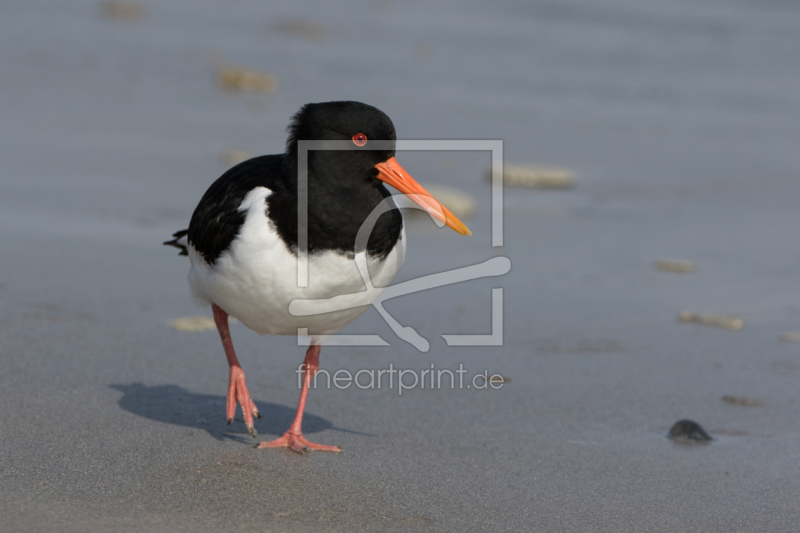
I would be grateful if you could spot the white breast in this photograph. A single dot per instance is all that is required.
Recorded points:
(255, 280)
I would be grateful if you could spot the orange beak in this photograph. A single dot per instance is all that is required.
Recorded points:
(391, 173)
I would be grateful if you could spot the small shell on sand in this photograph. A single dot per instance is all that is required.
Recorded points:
(721, 321)
(790, 337)
(195, 323)
(458, 202)
(231, 158)
(537, 177)
(122, 10)
(679, 266)
(232, 78)
(740, 400)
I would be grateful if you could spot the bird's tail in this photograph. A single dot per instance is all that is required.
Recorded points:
(179, 241)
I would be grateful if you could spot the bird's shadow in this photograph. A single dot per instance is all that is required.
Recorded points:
(175, 405)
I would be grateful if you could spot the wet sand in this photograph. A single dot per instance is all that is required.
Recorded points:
(680, 122)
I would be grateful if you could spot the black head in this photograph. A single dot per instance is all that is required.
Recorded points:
(357, 123)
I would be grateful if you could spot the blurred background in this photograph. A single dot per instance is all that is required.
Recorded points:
(123, 100)
(677, 124)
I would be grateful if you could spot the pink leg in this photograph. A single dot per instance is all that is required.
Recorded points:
(237, 391)
(293, 438)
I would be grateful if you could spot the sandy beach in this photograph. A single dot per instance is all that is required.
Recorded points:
(680, 122)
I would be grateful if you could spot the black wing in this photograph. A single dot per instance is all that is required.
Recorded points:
(217, 219)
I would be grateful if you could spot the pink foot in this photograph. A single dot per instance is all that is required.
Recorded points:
(237, 392)
(297, 443)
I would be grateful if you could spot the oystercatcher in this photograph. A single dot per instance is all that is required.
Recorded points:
(242, 240)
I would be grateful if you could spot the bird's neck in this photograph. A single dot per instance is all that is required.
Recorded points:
(337, 210)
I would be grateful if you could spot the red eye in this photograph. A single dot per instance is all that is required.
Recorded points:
(360, 139)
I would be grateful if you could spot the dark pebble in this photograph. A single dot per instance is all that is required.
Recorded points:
(689, 430)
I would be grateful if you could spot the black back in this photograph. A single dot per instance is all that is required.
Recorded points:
(216, 219)
(342, 188)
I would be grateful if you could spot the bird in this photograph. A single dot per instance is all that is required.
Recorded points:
(244, 240)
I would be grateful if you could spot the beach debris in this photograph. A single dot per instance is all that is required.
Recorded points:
(790, 337)
(536, 177)
(196, 323)
(688, 431)
(679, 266)
(741, 400)
(458, 202)
(304, 29)
(232, 78)
(720, 321)
(122, 10)
(232, 158)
